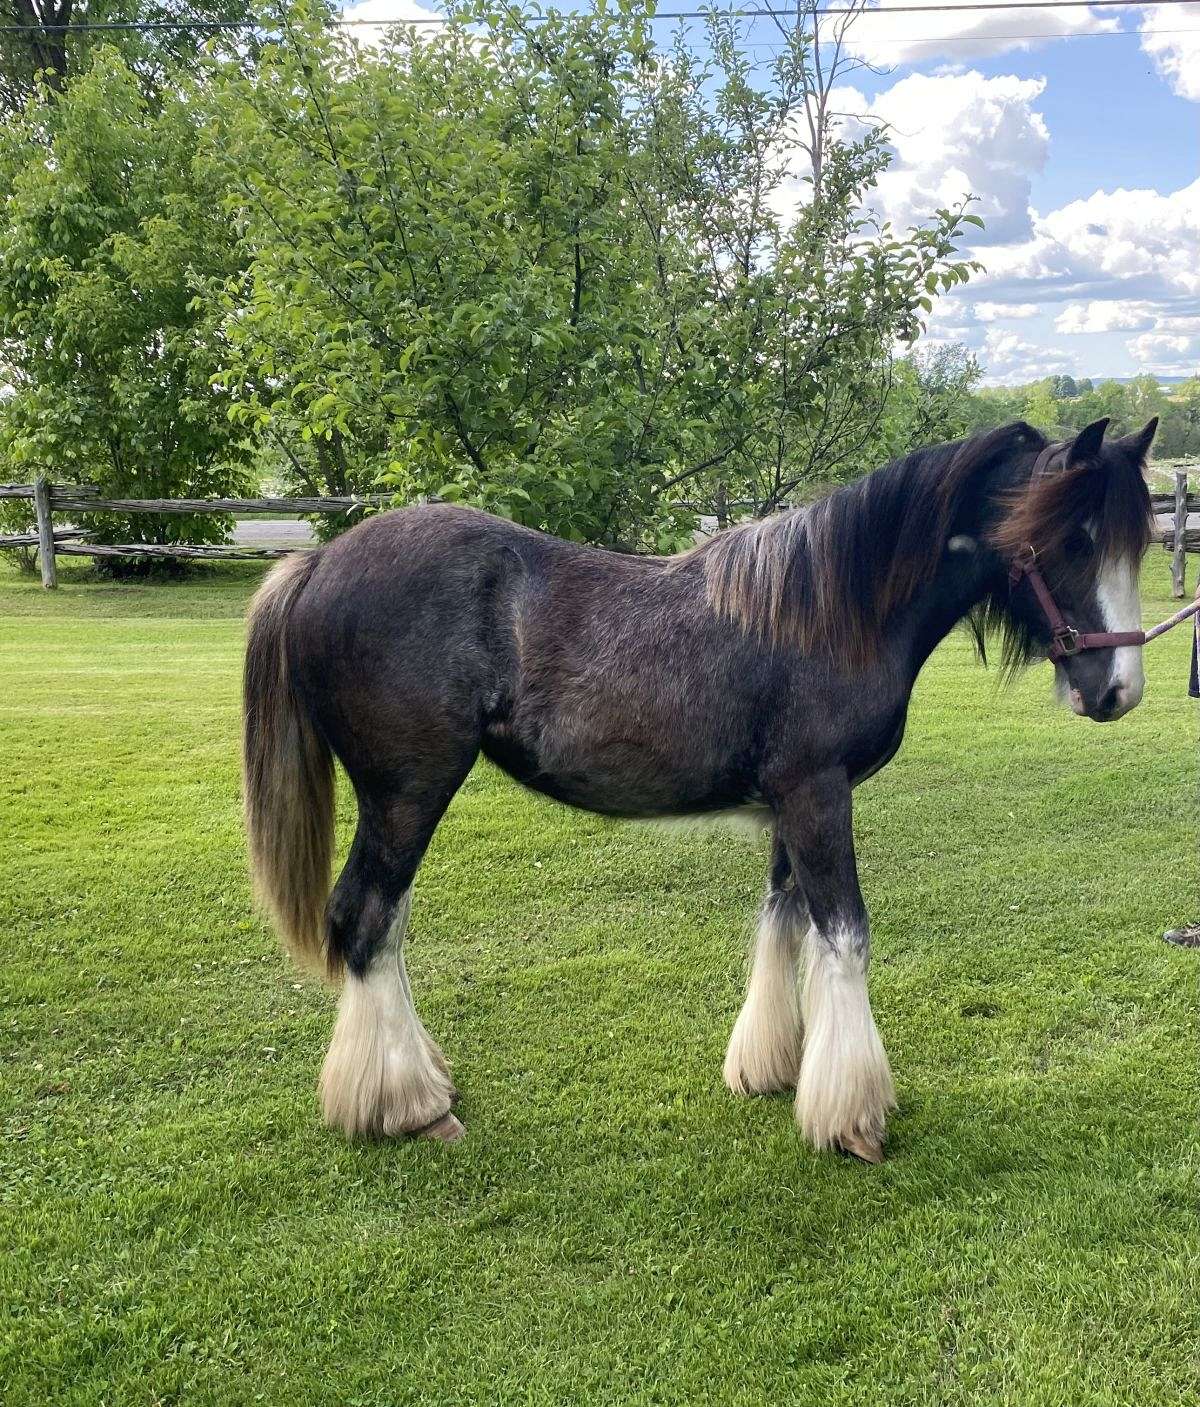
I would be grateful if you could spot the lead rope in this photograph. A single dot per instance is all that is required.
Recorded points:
(1177, 619)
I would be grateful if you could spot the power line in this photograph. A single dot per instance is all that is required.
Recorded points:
(988, 38)
(214, 26)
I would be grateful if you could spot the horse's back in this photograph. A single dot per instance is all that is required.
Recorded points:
(423, 619)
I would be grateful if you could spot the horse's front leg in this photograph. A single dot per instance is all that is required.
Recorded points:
(845, 1088)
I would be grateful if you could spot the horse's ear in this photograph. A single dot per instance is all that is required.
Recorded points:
(1138, 444)
(1086, 445)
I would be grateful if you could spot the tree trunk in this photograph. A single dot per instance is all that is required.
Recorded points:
(47, 39)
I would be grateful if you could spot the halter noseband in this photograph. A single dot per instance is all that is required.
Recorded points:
(1065, 639)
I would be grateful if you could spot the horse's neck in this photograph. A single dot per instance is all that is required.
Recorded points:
(962, 580)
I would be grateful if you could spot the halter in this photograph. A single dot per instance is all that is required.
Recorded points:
(1065, 639)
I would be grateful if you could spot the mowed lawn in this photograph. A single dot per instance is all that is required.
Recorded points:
(178, 1226)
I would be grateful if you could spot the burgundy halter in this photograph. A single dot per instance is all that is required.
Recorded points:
(1065, 639)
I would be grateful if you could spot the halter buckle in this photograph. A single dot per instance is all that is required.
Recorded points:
(1066, 641)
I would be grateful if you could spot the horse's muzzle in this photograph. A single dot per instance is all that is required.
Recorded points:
(1116, 701)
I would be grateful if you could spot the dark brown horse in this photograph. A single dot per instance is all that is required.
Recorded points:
(769, 669)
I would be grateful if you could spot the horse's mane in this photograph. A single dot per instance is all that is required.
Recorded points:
(828, 577)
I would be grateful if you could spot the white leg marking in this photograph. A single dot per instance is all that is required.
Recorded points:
(1117, 593)
(764, 1049)
(845, 1088)
(383, 1074)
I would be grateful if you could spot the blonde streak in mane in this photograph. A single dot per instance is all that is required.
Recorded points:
(770, 567)
(746, 577)
(791, 541)
(730, 576)
(822, 578)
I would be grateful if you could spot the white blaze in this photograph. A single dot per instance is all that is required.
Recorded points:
(1117, 593)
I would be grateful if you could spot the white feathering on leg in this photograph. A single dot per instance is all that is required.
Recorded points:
(845, 1088)
(764, 1049)
(383, 1074)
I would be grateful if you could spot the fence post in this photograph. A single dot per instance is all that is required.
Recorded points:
(45, 527)
(1179, 555)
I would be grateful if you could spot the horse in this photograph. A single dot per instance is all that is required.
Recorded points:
(767, 670)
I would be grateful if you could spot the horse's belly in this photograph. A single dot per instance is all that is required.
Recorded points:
(621, 776)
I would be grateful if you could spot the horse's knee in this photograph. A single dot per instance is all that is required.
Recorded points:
(362, 909)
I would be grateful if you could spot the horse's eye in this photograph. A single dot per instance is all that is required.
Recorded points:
(1079, 544)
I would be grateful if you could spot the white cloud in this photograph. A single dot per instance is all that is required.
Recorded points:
(953, 320)
(1113, 263)
(1122, 244)
(1116, 262)
(1003, 312)
(1171, 37)
(1097, 315)
(387, 12)
(886, 38)
(1010, 359)
(1154, 344)
(955, 135)
(1166, 353)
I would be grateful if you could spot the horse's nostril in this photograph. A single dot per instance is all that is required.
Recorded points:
(1111, 701)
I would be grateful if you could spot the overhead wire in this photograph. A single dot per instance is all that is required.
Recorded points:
(800, 12)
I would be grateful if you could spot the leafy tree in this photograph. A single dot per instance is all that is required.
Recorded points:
(1144, 397)
(931, 400)
(1040, 407)
(1110, 398)
(16, 514)
(558, 274)
(1179, 429)
(112, 233)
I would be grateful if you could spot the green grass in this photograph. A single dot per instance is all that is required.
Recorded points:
(179, 1227)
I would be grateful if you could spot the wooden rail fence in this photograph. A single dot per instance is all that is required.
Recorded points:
(48, 499)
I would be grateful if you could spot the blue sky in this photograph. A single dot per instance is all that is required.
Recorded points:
(1107, 112)
(1084, 152)
(1089, 149)
(1105, 276)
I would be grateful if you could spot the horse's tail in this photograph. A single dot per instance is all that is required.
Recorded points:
(287, 773)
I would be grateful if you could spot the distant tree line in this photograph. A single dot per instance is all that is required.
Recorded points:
(1061, 404)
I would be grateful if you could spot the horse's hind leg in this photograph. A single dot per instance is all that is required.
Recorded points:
(384, 1074)
(765, 1047)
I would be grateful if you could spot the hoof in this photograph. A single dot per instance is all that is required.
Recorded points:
(865, 1149)
(446, 1130)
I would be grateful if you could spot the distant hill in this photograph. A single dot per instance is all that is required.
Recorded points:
(1162, 380)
